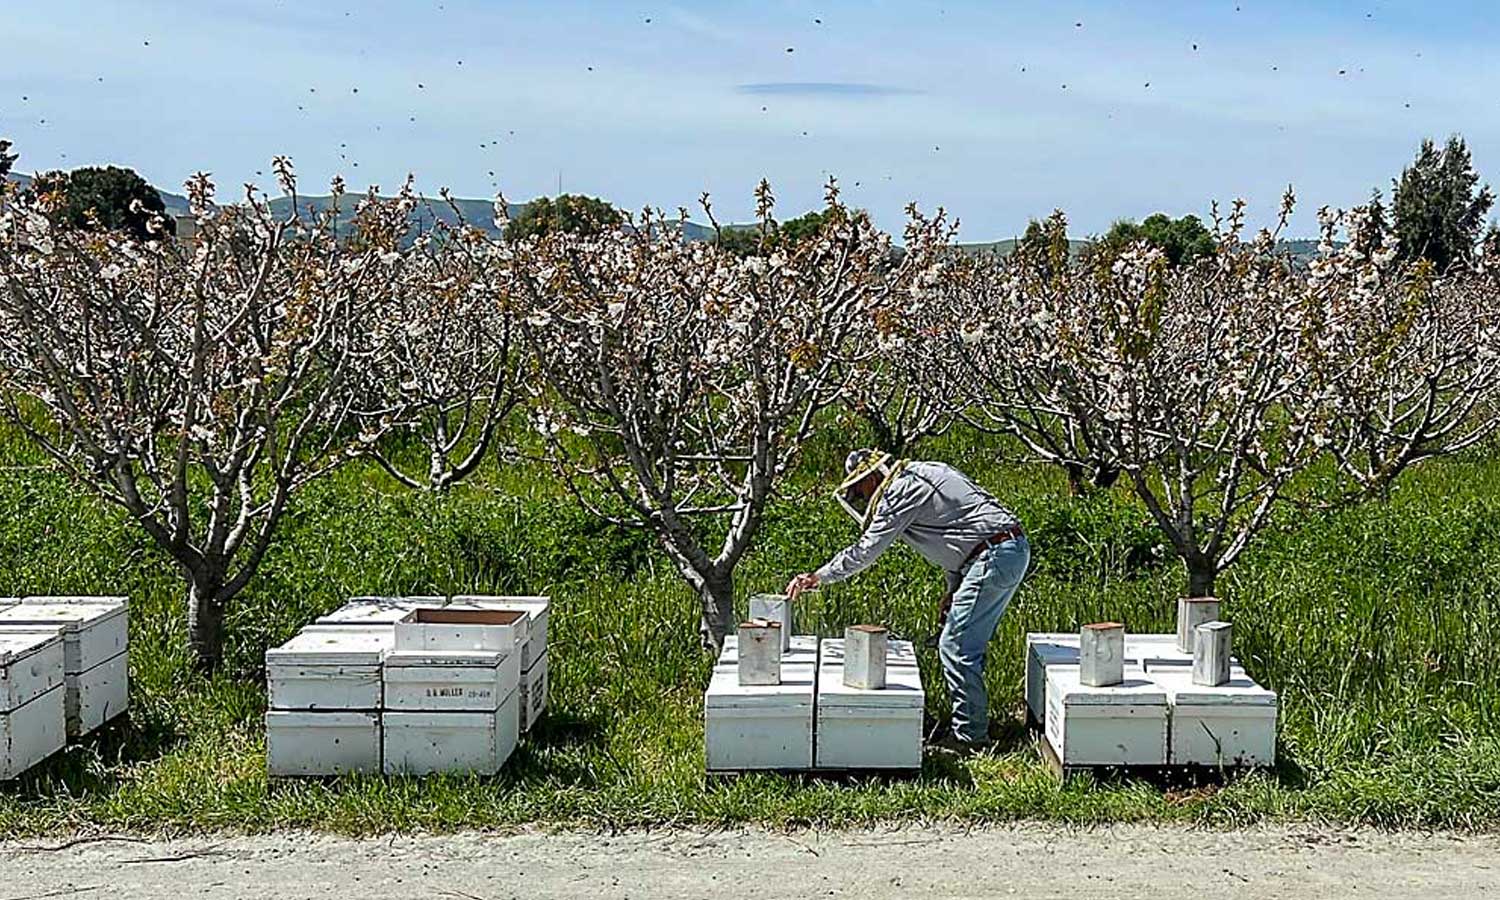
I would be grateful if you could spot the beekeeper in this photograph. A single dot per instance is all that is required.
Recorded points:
(958, 527)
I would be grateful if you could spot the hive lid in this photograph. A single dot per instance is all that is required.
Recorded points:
(804, 651)
(525, 601)
(334, 646)
(376, 610)
(69, 616)
(1242, 690)
(903, 690)
(18, 644)
(1136, 690)
(472, 659)
(901, 654)
(795, 693)
(87, 600)
(1057, 649)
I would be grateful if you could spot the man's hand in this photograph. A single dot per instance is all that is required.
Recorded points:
(807, 581)
(943, 608)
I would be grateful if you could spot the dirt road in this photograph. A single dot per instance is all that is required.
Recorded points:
(1121, 863)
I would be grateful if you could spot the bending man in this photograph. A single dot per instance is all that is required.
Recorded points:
(958, 527)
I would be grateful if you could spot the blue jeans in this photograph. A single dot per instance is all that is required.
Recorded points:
(978, 603)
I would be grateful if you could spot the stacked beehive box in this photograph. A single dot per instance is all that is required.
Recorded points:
(95, 635)
(452, 688)
(784, 702)
(408, 684)
(1157, 716)
(767, 726)
(869, 727)
(32, 721)
(325, 695)
(532, 634)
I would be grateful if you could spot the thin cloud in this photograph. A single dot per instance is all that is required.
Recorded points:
(823, 89)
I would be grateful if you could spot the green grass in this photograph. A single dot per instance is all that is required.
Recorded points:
(1374, 623)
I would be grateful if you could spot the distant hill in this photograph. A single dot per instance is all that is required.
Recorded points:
(481, 213)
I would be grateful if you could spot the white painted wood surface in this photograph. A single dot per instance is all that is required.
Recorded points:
(1101, 660)
(367, 611)
(94, 630)
(97, 696)
(770, 727)
(1211, 653)
(538, 611)
(1230, 725)
(759, 653)
(863, 665)
(1192, 612)
(860, 728)
(534, 686)
(422, 743)
(461, 680)
(31, 733)
(775, 608)
(1120, 725)
(31, 663)
(1045, 649)
(804, 650)
(329, 668)
(496, 630)
(322, 743)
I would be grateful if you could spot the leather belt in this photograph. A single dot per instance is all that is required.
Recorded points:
(995, 540)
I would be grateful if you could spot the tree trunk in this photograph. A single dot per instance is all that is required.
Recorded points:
(1201, 578)
(205, 627)
(717, 596)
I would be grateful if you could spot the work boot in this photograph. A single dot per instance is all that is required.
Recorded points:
(952, 745)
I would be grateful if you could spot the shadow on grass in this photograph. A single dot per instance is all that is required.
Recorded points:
(96, 762)
(560, 731)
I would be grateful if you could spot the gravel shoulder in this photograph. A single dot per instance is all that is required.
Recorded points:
(1121, 863)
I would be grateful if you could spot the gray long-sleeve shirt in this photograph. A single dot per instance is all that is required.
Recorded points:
(937, 510)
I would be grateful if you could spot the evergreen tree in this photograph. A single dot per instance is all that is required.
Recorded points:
(1439, 205)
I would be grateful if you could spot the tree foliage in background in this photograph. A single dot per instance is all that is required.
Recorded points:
(450, 366)
(1439, 208)
(7, 159)
(680, 382)
(564, 214)
(1180, 240)
(196, 385)
(763, 237)
(106, 197)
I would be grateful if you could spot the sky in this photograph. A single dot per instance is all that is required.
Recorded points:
(998, 112)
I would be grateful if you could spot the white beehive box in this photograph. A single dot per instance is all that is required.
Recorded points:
(366, 611)
(449, 680)
(32, 723)
(869, 728)
(96, 637)
(1047, 649)
(1120, 725)
(31, 664)
(493, 630)
(1227, 726)
(322, 743)
(421, 743)
(765, 727)
(329, 668)
(534, 692)
(534, 633)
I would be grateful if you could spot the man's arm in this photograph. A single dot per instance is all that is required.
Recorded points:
(897, 508)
